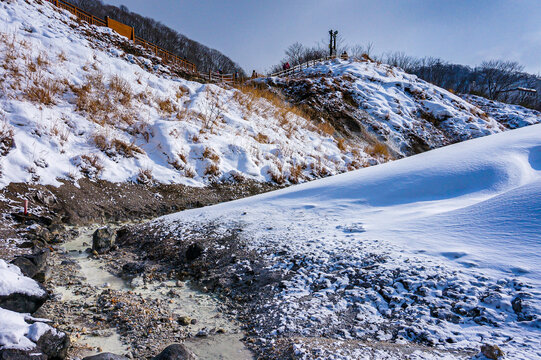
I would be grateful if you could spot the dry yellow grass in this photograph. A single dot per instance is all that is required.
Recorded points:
(378, 149)
(6, 138)
(262, 138)
(144, 176)
(295, 173)
(120, 89)
(341, 144)
(212, 170)
(126, 149)
(43, 91)
(210, 154)
(325, 128)
(91, 165)
(166, 106)
(277, 177)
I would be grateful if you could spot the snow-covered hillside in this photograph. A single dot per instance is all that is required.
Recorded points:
(441, 248)
(409, 114)
(512, 116)
(73, 104)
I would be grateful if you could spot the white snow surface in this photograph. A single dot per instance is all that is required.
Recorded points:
(512, 116)
(451, 237)
(399, 104)
(182, 131)
(13, 281)
(15, 331)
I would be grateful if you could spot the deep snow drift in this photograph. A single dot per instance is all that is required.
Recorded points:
(441, 248)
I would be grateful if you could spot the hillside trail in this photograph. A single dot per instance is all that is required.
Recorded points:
(172, 310)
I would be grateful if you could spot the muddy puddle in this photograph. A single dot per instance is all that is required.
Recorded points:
(180, 298)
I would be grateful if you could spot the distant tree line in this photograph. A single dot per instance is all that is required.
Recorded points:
(494, 79)
(155, 32)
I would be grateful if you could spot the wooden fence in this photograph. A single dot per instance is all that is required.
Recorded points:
(300, 67)
(127, 31)
(167, 56)
(216, 77)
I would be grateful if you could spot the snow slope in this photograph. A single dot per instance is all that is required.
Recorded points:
(512, 116)
(441, 248)
(408, 113)
(74, 102)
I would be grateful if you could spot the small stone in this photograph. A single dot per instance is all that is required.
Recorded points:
(193, 322)
(202, 333)
(184, 320)
(105, 356)
(175, 352)
(492, 352)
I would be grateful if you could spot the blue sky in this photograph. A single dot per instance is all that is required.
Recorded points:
(256, 33)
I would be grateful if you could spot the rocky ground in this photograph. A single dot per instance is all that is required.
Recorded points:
(96, 202)
(220, 261)
(138, 312)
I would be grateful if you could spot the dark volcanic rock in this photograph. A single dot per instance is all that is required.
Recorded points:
(50, 346)
(133, 269)
(23, 303)
(105, 356)
(175, 352)
(193, 252)
(12, 354)
(103, 239)
(33, 265)
(54, 344)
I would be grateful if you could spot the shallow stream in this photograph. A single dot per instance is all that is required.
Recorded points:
(186, 302)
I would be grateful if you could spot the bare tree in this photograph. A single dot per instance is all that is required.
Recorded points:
(295, 53)
(155, 32)
(499, 76)
(357, 51)
(401, 60)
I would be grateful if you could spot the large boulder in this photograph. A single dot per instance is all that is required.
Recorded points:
(17, 292)
(105, 356)
(34, 339)
(54, 344)
(50, 346)
(14, 354)
(103, 239)
(34, 265)
(175, 352)
(23, 303)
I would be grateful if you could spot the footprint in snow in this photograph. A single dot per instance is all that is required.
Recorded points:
(452, 255)
(353, 228)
